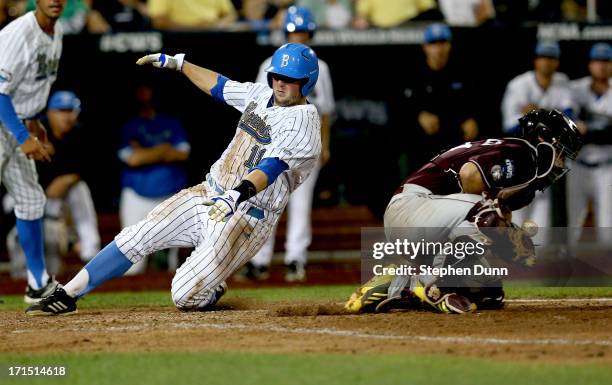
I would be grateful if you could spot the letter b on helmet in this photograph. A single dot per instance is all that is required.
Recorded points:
(285, 61)
(295, 61)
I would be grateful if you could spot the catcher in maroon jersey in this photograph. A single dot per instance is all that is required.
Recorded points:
(462, 192)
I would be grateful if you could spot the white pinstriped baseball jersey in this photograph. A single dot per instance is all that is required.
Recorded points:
(597, 111)
(28, 67)
(322, 95)
(590, 179)
(29, 59)
(524, 89)
(292, 134)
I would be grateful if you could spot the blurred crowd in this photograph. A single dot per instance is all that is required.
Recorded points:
(103, 16)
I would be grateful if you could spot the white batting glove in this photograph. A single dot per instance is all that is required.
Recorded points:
(223, 206)
(161, 60)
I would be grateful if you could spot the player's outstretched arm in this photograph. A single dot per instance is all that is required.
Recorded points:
(203, 78)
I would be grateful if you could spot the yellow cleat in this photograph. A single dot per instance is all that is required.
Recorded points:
(367, 297)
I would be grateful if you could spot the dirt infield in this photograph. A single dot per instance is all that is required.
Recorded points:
(548, 331)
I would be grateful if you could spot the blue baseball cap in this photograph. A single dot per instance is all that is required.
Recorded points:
(64, 100)
(437, 32)
(548, 49)
(601, 51)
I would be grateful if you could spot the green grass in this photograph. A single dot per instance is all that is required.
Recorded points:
(331, 293)
(268, 369)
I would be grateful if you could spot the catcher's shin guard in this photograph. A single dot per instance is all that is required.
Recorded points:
(366, 298)
(449, 303)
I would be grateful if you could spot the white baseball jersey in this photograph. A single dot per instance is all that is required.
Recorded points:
(322, 95)
(29, 60)
(597, 111)
(590, 179)
(292, 134)
(524, 89)
(28, 66)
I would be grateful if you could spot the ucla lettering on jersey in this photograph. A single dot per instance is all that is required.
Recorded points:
(45, 67)
(254, 125)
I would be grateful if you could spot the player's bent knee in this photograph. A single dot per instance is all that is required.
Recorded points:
(183, 305)
(195, 297)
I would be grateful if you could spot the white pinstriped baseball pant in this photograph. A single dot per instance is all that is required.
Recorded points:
(18, 174)
(220, 247)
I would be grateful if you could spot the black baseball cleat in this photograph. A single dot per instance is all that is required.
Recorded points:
(58, 303)
(251, 272)
(296, 272)
(34, 296)
(219, 292)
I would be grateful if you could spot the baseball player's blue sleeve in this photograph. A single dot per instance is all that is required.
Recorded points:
(217, 91)
(272, 167)
(179, 137)
(127, 135)
(9, 118)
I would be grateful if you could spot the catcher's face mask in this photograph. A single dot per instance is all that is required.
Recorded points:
(551, 165)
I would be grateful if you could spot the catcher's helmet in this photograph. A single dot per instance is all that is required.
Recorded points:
(300, 19)
(554, 135)
(554, 127)
(295, 61)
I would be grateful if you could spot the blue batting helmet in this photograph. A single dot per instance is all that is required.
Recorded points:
(601, 51)
(547, 48)
(64, 100)
(295, 61)
(300, 19)
(437, 32)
